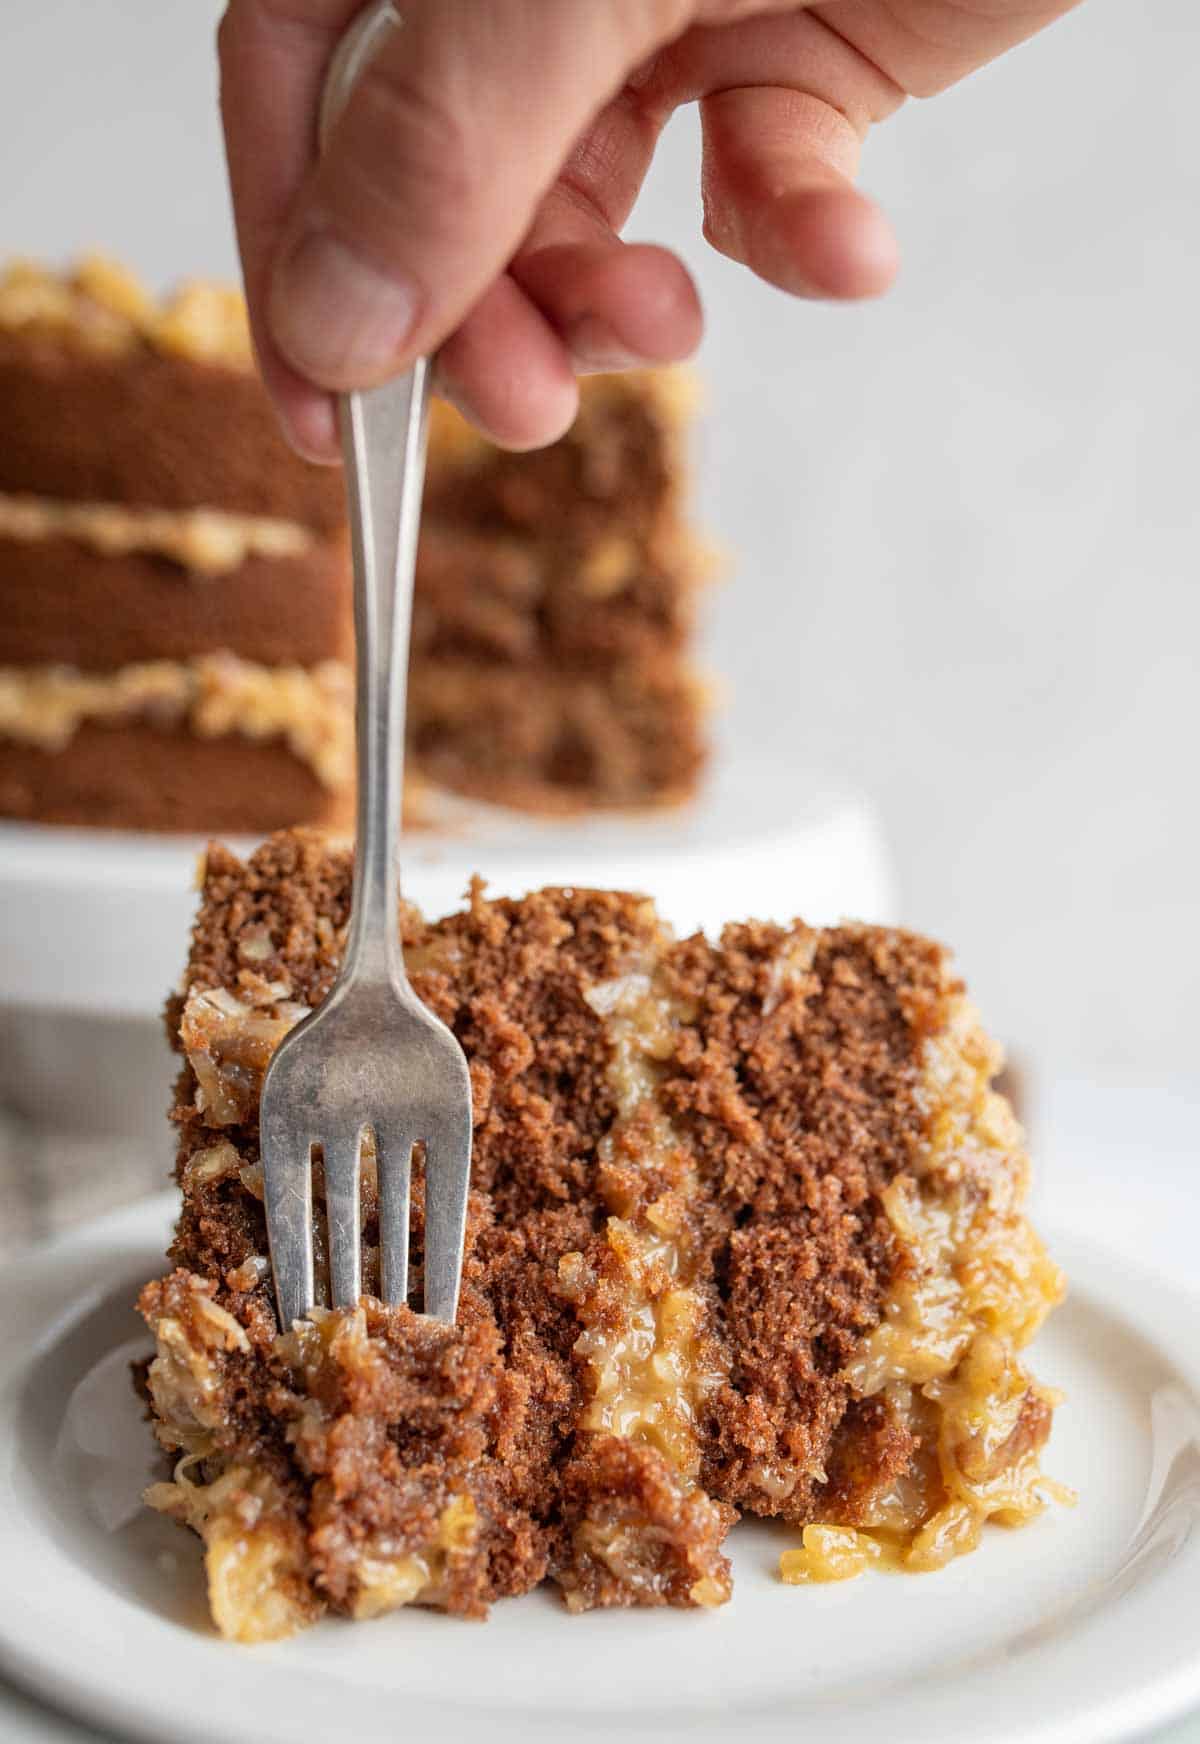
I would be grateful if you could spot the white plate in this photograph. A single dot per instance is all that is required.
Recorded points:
(1076, 1629)
(97, 921)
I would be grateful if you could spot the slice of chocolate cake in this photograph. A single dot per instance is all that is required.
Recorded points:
(177, 585)
(745, 1237)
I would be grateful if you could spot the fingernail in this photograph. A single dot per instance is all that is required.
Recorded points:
(312, 430)
(336, 319)
(594, 345)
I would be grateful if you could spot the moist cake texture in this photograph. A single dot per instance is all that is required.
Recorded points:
(151, 515)
(745, 1237)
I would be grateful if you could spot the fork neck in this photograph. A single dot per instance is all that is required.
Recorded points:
(383, 446)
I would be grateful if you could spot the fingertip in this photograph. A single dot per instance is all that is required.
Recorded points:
(828, 242)
(508, 373)
(517, 428)
(308, 419)
(311, 429)
(645, 298)
(616, 305)
(307, 415)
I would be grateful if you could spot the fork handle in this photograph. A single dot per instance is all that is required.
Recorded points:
(383, 446)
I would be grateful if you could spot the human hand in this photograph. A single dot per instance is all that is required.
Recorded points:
(473, 189)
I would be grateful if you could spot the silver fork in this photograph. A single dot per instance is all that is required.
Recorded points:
(372, 1056)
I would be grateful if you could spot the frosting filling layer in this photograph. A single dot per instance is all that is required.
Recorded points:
(207, 542)
(944, 1359)
(214, 695)
(105, 309)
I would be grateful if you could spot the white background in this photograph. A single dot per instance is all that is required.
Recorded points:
(964, 520)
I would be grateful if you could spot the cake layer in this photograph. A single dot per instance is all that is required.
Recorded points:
(95, 586)
(160, 409)
(135, 775)
(68, 603)
(516, 600)
(145, 429)
(538, 738)
(112, 397)
(745, 1235)
(127, 748)
(556, 593)
(213, 695)
(547, 737)
(618, 470)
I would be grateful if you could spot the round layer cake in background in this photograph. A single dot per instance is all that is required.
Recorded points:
(177, 645)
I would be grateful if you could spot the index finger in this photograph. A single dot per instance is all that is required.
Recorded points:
(273, 57)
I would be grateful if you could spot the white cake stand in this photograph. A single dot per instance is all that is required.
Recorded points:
(97, 922)
(94, 925)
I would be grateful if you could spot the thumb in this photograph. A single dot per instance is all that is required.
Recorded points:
(434, 170)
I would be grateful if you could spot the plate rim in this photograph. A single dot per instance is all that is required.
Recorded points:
(1160, 1310)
